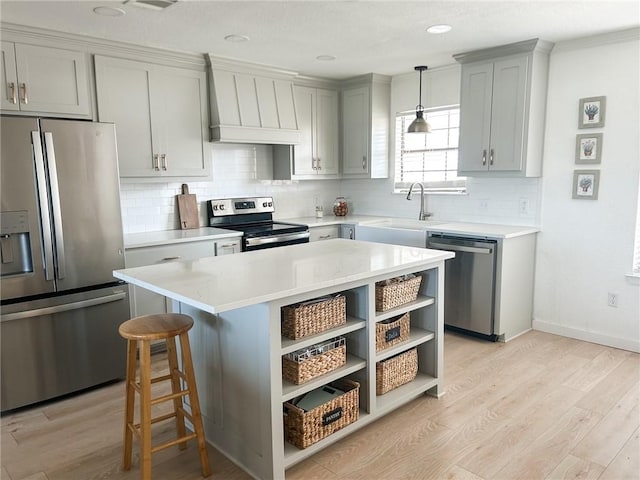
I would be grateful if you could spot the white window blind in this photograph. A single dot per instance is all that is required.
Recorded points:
(430, 158)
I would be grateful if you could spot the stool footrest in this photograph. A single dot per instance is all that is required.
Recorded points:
(173, 442)
(170, 396)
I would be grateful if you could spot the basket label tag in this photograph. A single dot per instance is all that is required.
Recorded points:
(392, 333)
(331, 416)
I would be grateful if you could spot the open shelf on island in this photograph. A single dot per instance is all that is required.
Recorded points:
(417, 336)
(289, 345)
(421, 301)
(291, 390)
(293, 454)
(398, 396)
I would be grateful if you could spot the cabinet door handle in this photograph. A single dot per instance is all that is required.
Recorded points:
(165, 163)
(318, 163)
(168, 259)
(227, 245)
(484, 158)
(14, 94)
(491, 157)
(324, 237)
(156, 165)
(313, 163)
(25, 98)
(364, 162)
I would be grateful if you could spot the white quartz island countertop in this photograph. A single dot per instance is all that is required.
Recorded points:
(218, 284)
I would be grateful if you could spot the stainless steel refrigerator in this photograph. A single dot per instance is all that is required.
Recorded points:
(61, 238)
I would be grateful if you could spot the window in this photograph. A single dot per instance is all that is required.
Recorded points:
(429, 158)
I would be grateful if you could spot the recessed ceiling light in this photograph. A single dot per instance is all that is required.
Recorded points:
(440, 28)
(325, 58)
(109, 11)
(233, 38)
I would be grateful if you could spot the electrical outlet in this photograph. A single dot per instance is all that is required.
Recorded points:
(483, 204)
(612, 299)
(523, 206)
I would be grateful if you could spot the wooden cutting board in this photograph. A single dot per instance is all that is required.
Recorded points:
(187, 209)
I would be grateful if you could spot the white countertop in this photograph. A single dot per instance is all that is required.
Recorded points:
(440, 226)
(217, 284)
(148, 239)
(332, 220)
(482, 229)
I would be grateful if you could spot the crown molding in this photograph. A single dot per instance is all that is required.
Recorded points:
(618, 36)
(23, 34)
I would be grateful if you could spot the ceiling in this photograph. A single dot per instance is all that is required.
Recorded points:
(386, 37)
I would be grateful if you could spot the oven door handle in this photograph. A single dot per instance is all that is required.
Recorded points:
(251, 242)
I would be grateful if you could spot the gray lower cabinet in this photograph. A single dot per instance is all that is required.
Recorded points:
(324, 233)
(348, 231)
(44, 80)
(160, 114)
(144, 302)
(502, 107)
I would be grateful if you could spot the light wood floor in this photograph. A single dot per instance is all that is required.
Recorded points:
(538, 407)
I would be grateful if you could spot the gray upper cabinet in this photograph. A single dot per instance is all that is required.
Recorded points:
(317, 152)
(365, 127)
(502, 106)
(43, 80)
(160, 114)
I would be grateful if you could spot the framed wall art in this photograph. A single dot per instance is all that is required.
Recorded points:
(589, 148)
(591, 112)
(585, 184)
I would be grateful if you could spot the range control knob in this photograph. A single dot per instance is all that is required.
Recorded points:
(221, 206)
(271, 204)
(264, 204)
(215, 207)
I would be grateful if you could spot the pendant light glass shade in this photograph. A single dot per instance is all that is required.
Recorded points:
(419, 125)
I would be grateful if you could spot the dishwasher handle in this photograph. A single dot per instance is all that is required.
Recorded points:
(460, 248)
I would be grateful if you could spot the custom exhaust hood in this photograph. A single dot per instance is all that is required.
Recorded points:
(251, 103)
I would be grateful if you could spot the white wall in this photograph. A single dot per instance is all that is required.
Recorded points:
(585, 248)
(488, 200)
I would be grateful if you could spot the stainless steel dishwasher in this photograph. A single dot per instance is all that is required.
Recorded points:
(470, 278)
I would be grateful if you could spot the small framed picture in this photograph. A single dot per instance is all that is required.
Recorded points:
(589, 148)
(585, 184)
(591, 112)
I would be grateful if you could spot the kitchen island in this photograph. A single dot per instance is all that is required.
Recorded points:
(237, 342)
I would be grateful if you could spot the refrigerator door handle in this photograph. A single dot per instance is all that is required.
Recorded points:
(63, 308)
(43, 199)
(55, 204)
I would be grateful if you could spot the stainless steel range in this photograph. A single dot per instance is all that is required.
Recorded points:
(254, 217)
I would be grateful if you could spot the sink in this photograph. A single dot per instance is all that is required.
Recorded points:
(403, 223)
(396, 231)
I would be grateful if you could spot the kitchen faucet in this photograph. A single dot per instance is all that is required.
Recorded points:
(423, 215)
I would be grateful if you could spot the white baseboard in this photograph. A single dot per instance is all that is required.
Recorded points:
(615, 342)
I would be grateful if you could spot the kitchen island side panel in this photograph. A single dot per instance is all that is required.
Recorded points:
(235, 376)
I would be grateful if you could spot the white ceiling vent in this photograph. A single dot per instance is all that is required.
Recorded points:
(151, 4)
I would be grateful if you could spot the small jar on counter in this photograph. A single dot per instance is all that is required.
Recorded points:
(340, 207)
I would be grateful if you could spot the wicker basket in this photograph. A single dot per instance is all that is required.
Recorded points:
(308, 319)
(392, 333)
(303, 428)
(396, 293)
(396, 371)
(305, 370)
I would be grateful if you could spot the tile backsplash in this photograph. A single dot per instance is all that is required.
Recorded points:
(150, 207)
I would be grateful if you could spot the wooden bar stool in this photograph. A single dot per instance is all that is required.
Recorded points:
(140, 332)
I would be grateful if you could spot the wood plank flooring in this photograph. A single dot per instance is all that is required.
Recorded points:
(538, 407)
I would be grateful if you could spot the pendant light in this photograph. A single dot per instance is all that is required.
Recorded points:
(419, 125)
